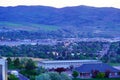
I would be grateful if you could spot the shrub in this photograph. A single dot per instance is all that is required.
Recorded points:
(54, 76)
(12, 77)
(75, 74)
(64, 76)
(43, 77)
(100, 75)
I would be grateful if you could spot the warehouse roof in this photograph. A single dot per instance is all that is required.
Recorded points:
(71, 61)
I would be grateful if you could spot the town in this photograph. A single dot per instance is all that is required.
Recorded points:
(16, 42)
(59, 39)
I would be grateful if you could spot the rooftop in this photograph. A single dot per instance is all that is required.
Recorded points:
(61, 61)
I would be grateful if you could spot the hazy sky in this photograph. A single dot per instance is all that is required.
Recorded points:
(62, 3)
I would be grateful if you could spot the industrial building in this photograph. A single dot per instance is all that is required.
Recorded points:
(65, 63)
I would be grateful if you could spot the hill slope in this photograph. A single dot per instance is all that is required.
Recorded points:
(79, 21)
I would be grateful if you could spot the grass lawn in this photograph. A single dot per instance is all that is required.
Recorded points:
(99, 79)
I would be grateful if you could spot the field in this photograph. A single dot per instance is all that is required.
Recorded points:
(28, 26)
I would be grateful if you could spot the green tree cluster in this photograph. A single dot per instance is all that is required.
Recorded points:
(53, 76)
(75, 74)
(27, 67)
(100, 75)
(13, 64)
(12, 77)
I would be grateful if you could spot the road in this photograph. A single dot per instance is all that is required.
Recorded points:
(21, 77)
(117, 67)
(105, 50)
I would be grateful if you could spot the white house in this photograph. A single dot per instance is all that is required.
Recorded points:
(65, 63)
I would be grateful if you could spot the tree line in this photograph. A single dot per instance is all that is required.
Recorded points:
(77, 50)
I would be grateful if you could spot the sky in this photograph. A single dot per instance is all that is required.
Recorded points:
(62, 3)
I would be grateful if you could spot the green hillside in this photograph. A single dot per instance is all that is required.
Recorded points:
(28, 26)
(68, 22)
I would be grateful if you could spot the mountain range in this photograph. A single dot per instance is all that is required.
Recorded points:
(49, 22)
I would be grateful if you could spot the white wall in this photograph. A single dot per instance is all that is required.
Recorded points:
(4, 68)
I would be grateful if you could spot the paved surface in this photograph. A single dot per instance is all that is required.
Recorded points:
(21, 77)
(117, 67)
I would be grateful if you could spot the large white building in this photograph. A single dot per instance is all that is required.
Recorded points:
(3, 69)
(65, 63)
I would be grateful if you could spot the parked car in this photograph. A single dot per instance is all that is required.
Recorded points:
(15, 73)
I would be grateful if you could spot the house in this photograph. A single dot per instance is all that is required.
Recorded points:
(86, 70)
(65, 63)
(3, 69)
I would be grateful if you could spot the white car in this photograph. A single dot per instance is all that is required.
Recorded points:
(15, 73)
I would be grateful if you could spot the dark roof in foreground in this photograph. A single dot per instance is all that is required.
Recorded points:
(102, 67)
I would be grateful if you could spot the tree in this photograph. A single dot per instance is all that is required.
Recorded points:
(54, 76)
(9, 60)
(41, 70)
(30, 69)
(44, 76)
(12, 77)
(17, 62)
(30, 65)
(10, 63)
(23, 62)
(75, 74)
(64, 76)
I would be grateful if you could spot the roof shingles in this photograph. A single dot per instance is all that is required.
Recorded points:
(101, 67)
